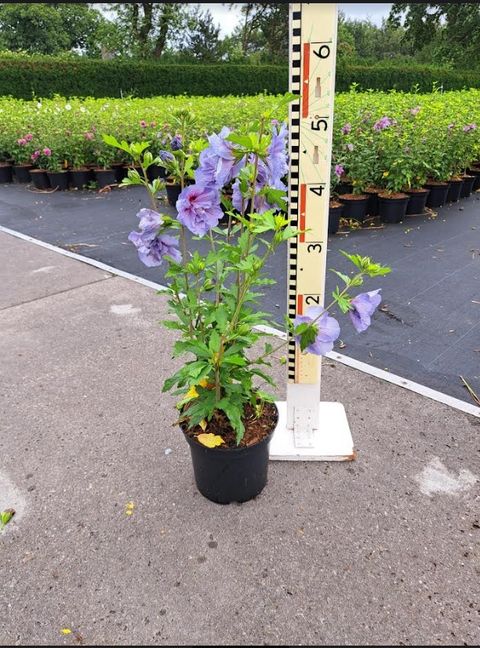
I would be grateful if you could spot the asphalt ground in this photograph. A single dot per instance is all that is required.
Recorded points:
(384, 550)
(428, 327)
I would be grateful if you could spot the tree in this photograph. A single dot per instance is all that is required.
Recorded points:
(264, 28)
(201, 39)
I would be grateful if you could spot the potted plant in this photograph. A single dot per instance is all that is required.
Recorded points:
(104, 173)
(225, 415)
(438, 158)
(335, 207)
(6, 170)
(21, 151)
(38, 174)
(58, 175)
(81, 156)
(468, 156)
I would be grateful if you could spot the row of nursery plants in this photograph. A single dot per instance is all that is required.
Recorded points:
(386, 146)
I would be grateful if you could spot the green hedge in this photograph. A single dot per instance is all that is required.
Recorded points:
(23, 77)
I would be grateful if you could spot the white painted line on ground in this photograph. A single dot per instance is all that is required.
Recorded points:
(451, 401)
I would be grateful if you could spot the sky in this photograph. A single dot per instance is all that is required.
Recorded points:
(228, 18)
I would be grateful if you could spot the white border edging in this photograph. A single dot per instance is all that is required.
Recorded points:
(451, 401)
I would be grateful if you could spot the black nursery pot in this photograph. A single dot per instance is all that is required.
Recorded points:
(454, 190)
(40, 179)
(393, 210)
(438, 194)
(120, 171)
(344, 188)
(334, 215)
(58, 180)
(105, 177)
(416, 204)
(5, 172)
(156, 171)
(173, 192)
(22, 172)
(354, 208)
(476, 182)
(225, 475)
(81, 177)
(373, 204)
(467, 186)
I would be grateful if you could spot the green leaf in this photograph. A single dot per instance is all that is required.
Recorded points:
(234, 413)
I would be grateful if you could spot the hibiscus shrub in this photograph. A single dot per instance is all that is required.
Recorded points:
(215, 298)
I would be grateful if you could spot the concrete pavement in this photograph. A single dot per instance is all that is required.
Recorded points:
(384, 550)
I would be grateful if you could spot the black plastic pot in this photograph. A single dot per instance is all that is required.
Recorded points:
(58, 179)
(155, 171)
(438, 194)
(22, 172)
(225, 475)
(467, 186)
(173, 192)
(40, 179)
(334, 215)
(416, 204)
(343, 188)
(476, 182)
(5, 172)
(373, 205)
(105, 177)
(454, 191)
(354, 209)
(393, 210)
(120, 171)
(79, 178)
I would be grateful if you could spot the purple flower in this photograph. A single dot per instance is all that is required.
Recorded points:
(350, 147)
(153, 248)
(263, 179)
(469, 127)
(328, 330)
(166, 156)
(364, 306)
(450, 126)
(382, 123)
(339, 170)
(176, 143)
(199, 209)
(149, 218)
(415, 111)
(35, 155)
(217, 162)
(346, 128)
(277, 157)
(22, 141)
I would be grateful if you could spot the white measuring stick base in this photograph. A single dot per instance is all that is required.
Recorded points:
(332, 441)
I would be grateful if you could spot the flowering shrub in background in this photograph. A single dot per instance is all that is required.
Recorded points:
(215, 298)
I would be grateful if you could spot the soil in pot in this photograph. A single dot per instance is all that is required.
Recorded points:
(393, 207)
(467, 186)
(6, 172)
(233, 473)
(22, 172)
(335, 211)
(173, 192)
(354, 206)
(454, 190)
(105, 177)
(80, 177)
(40, 179)
(438, 193)
(58, 179)
(418, 198)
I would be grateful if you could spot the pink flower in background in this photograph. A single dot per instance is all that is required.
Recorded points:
(346, 129)
(89, 136)
(415, 111)
(339, 170)
(35, 155)
(29, 137)
(22, 141)
(153, 124)
(47, 152)
(350, 147)
(143, 123)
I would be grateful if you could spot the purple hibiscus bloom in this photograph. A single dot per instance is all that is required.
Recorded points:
(364, 306)
(217, 164)
(176, 143)
(199, 209)
(328, 330)
(339, 170)
(469, 127)
(149, 218)
(350, 147)
(153, 248)
(346, 128)
(382, 123)
(263, 179)
(277, 160)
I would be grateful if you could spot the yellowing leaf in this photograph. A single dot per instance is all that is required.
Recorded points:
(66, 631)
(203, 383)
(385, 174)
(210, 440)
(203, 424)
(192, 392)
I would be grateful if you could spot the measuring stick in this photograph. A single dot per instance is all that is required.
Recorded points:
(308, 428)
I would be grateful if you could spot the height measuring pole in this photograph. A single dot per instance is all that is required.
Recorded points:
(309, 429)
